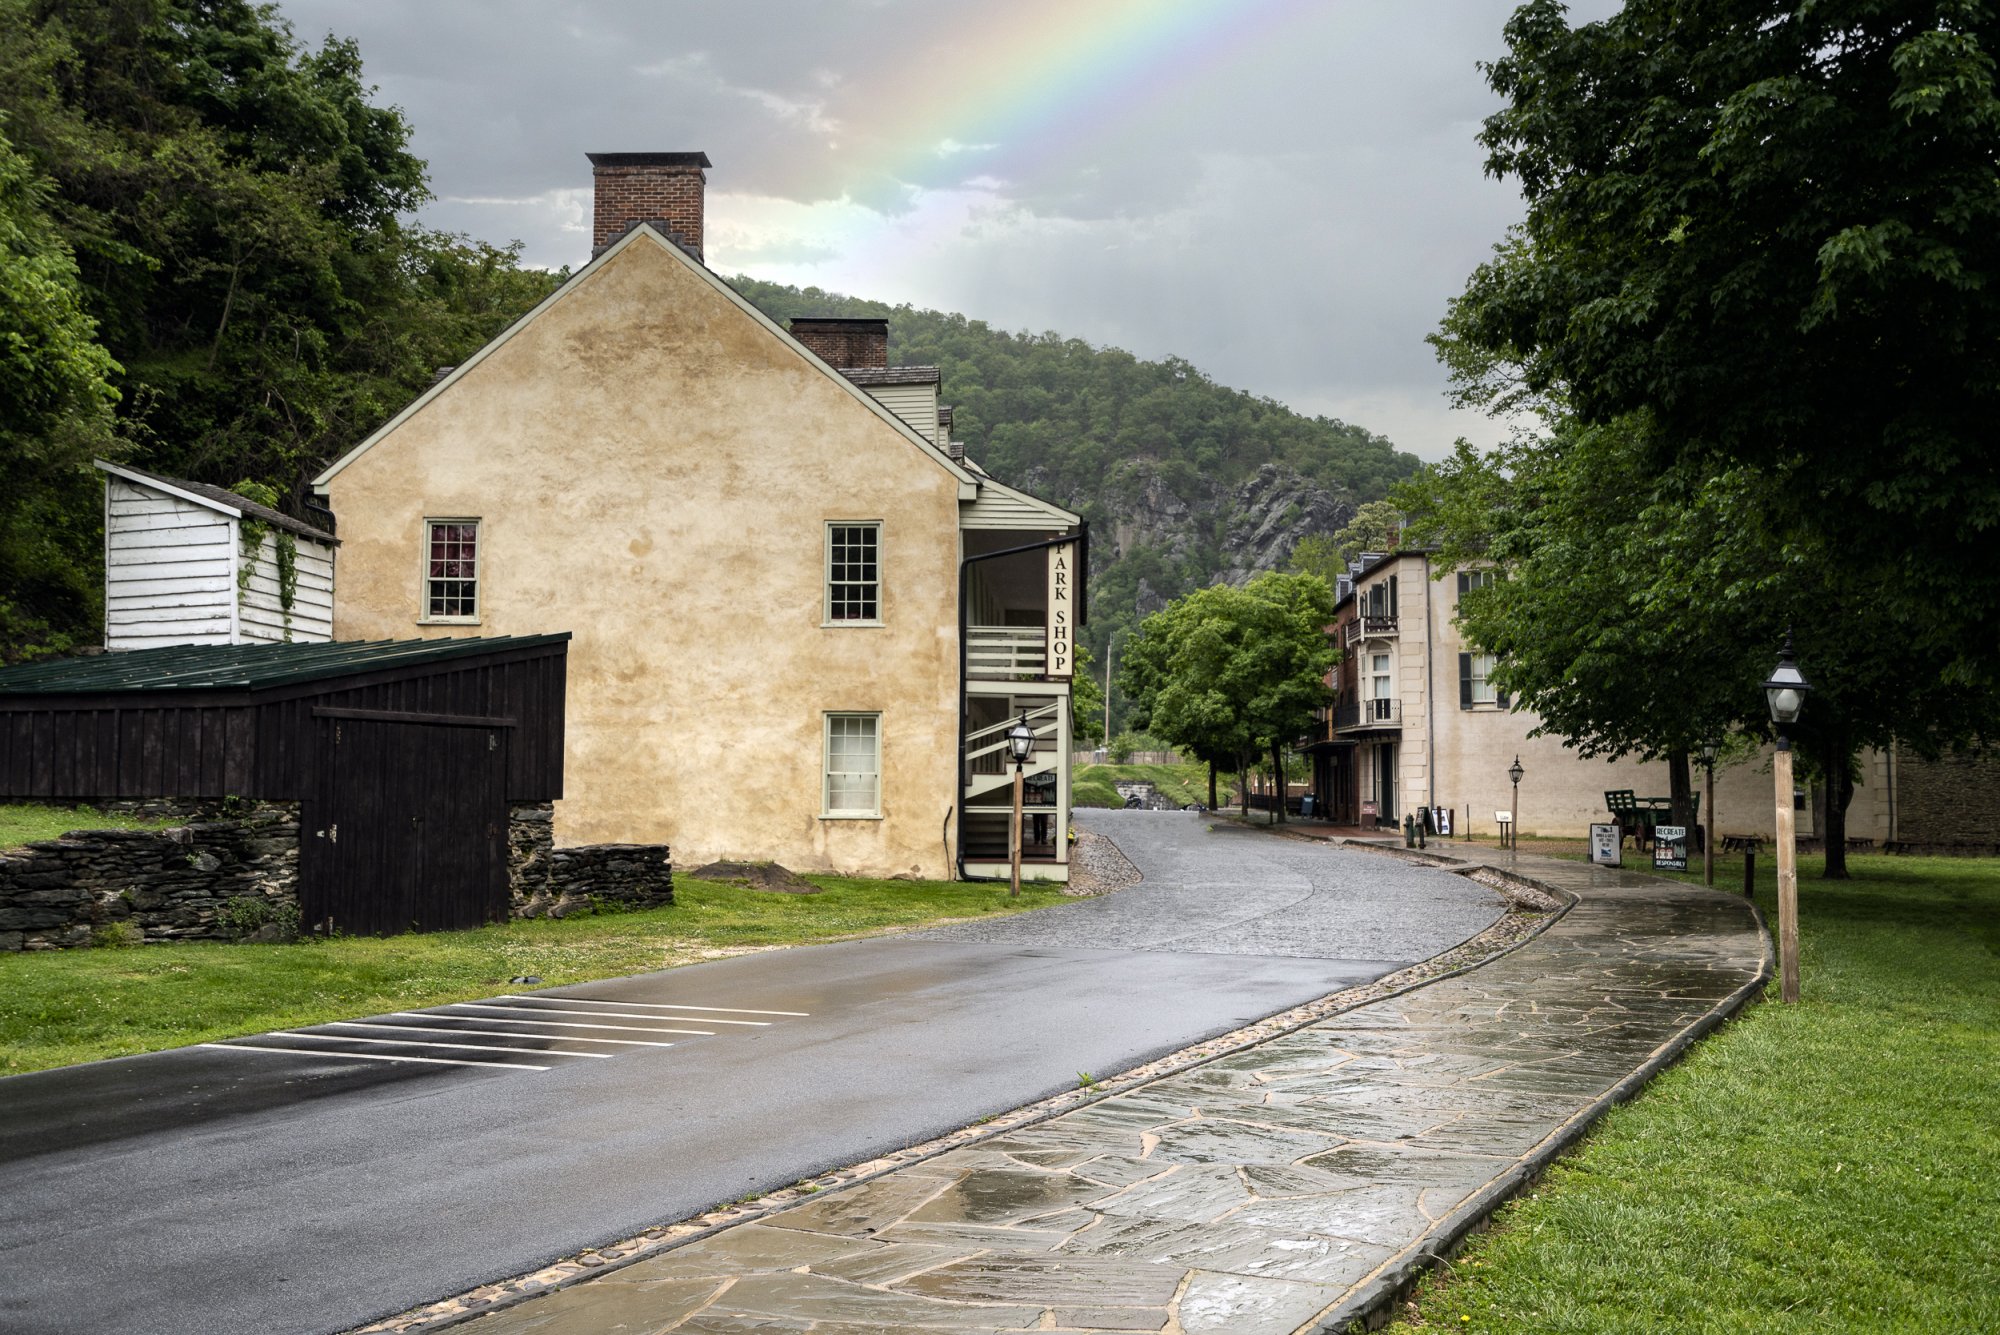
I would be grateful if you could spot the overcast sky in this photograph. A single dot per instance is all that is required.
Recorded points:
(1284, 192)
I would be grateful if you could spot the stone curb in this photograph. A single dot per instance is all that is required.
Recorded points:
(1361, 1310)
(1160, 1068)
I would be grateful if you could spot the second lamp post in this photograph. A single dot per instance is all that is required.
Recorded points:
(1785, 692)
(1020, 741)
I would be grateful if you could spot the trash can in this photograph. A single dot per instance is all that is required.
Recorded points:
(1306, 805)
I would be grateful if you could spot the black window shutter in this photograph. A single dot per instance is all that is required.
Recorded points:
(1501, 698)
(1465, 681)
(1463, 581)
(1392, 595)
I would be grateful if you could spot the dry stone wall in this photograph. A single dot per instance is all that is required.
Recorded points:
(551, 882)
(1948, 805)
(175, 884)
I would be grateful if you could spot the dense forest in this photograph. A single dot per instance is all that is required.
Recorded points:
(207, 267)
(1175, 472)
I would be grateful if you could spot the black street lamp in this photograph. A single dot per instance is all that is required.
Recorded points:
(1709, 748)
(1514, 772)
(1785, 692)
(1020, 741)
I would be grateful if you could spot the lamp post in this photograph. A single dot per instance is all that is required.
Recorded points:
(1514, 772)
(1020, 741)
(1708, 750)
(1785, 692)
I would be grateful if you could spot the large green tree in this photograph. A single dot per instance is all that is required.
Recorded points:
(55, 385)
(237, 208)
(1225, 672)
(1775, 228)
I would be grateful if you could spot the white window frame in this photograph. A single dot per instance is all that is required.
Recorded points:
(1480, 579)
(828, 811)
(424, 614)
(827, 580)
(1483, 692)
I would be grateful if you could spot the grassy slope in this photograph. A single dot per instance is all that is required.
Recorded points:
(29, 822)
(58, 1007)
(1833, 1165)
(1091, 786)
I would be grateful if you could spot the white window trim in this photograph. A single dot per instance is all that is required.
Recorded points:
(1491, 700)
(826, 808)
(826, 580)
(424, 617)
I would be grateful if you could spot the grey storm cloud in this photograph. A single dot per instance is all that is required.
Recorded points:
(1285, 192)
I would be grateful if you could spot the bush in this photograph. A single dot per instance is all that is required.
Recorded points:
(118, 935)
(244, 917)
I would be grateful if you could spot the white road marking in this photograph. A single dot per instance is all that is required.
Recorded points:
(564, 1024)
(426, 1043)
(375, 1057)
(485, 1033)
(659, 1005)
(705, 1019)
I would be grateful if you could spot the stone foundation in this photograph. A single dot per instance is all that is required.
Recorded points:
(155, 885)
(549, 882)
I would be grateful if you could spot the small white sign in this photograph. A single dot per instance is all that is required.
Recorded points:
(1607, 844)
(1504, 817)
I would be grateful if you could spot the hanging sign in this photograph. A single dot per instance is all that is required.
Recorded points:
(1607, 845)
(1062, 612)
(1670, 848)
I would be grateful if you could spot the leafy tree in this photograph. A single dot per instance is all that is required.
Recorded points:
(1776, 229)
(235, 205)
(1225, 672)
(1086, 700)
(55, 383)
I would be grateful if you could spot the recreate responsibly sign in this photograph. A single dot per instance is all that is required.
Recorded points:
(1062, 611)
(1670, 848)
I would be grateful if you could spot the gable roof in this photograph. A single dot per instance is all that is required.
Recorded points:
(646, 233)
(218, 498)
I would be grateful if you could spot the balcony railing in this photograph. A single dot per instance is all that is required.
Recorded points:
(1357, 715)
(1369, 628)
(1006, 653)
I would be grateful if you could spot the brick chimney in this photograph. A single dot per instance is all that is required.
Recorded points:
(842, 343)
(661, 188)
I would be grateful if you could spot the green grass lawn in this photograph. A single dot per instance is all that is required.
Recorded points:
(29, 822)
(1829, 1166)
(1091, 786)
(58, 1007)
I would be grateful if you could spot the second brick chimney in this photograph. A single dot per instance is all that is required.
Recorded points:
(662, 188)
(844, 344)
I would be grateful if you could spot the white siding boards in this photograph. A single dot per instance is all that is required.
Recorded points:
(176, 571)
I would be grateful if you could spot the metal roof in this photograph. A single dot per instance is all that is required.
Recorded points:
(243, 667)
(223, 498)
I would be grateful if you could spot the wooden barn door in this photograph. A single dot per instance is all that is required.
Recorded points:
(408, 828)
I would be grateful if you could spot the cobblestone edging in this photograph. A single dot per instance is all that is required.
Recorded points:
(153, 885)
(1527, 917)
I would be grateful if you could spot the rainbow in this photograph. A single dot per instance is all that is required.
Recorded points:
(1028, 84)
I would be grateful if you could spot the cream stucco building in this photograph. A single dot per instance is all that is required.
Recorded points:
(1417, 723)
(792, 638)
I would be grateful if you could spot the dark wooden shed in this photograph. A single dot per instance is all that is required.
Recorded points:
(404, 756)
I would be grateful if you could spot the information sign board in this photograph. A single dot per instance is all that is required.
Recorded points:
(1607, 845)
(1670, 848)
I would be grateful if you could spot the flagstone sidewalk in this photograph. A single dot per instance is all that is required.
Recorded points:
(1292, 1186)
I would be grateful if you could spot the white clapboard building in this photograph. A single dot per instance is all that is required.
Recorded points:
(188, 563)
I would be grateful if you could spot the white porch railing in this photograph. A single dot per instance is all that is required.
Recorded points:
(1006, 653)
(986, 750)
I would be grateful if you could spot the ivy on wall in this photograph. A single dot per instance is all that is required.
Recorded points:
(253, 532)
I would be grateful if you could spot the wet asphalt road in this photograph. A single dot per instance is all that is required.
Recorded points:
(215, 1191)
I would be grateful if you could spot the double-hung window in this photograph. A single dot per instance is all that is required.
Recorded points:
(1475, 682)
(853, 765)
(451, 570)
(854, 573)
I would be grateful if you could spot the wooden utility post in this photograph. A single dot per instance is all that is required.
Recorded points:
(1788, 876)
(1014, 891)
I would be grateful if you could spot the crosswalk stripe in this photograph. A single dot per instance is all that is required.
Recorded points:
(562, 1024)
(429, 1043)
(704, 1019)
(482, 1033)
(375, 1057)
(657, 1005)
